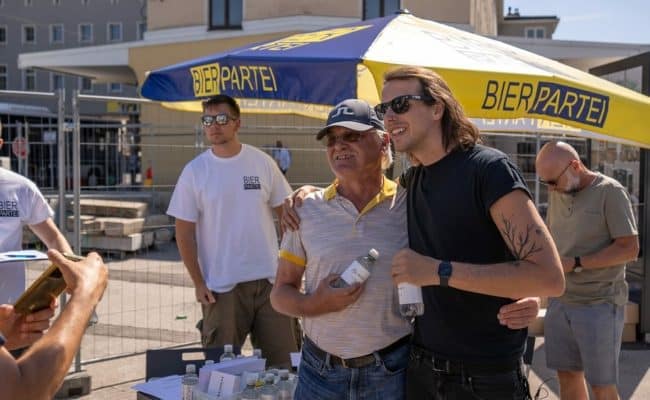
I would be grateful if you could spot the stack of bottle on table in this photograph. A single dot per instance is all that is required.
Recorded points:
(272, 384)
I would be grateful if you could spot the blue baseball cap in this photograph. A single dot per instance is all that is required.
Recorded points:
(352, 114)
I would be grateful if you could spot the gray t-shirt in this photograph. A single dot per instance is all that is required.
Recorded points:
(584, 223)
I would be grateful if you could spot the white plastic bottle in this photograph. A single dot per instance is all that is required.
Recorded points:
(285, 388)
(249, 393)
(358, 271)
(269, 391)
(189, 381)
(410, 300)
(227, 353)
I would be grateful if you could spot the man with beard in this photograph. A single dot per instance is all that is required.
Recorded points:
(590, 217)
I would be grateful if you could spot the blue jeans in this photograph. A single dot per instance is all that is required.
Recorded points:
(425, 383)
(382, 380)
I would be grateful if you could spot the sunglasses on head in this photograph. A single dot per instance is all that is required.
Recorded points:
(219, 119)
(399, 104)
(330, 140)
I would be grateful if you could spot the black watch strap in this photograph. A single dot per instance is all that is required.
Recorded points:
(577, 265)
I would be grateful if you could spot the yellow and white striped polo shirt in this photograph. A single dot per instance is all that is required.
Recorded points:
(332, 234)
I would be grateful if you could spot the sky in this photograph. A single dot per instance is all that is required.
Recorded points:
(622, 21)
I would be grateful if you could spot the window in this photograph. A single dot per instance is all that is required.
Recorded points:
(380, 8)
(225, 14)
(56, 33)
(535, 32)
(3, 77)
(85, 84)
(141, 28)
(114, 33)
(3, 34)
(85, 33)
(115, 87)
(56, 81)
(29, 79)
(29, 34)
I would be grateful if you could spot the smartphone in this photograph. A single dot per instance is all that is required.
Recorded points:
(48, 286)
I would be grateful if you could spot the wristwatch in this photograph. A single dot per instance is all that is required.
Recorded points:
(577, 265)
(444, 272)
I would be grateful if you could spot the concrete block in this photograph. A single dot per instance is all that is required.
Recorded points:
(157, 221)
(74, 384)
(123, 226)
(132, 242)
(89, 224)
(113, 208)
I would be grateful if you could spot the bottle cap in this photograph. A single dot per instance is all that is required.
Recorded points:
(190, 369)
(373, 253)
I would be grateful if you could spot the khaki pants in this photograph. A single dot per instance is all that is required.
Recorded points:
(247, 309)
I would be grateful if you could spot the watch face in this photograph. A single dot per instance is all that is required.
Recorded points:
(444, 269)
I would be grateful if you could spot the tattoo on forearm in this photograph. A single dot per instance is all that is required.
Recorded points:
(521, 244)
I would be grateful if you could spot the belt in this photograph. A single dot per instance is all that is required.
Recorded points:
(356, 362)
(455, 367)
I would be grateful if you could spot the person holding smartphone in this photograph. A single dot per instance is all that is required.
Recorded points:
(39, 372)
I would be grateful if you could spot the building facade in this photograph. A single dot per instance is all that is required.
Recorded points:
(28, 26)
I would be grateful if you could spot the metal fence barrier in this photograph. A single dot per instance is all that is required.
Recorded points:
(97, 169)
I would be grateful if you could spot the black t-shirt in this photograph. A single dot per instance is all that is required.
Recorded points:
(449, 219)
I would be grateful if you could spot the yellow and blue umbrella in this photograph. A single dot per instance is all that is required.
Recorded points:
(308, 73)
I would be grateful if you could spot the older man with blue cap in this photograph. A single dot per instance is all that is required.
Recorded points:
(356, 342)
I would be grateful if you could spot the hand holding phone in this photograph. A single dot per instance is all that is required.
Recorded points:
(48, 286)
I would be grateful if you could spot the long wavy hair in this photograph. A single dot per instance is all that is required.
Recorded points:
(457, 129)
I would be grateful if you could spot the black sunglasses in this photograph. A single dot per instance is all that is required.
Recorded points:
(330, 140)
(219, 119)
(399, 104)
(553, 182)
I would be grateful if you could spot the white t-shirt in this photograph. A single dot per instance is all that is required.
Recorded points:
(231, 200)
(21, 203)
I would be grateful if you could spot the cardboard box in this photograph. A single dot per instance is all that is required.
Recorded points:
(631, 313)
(629, 333)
